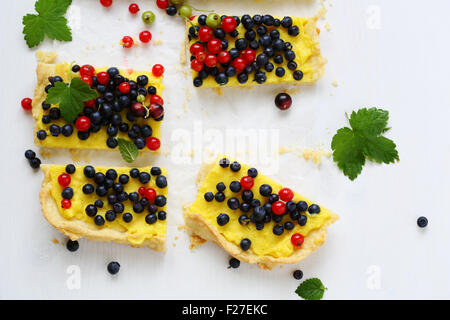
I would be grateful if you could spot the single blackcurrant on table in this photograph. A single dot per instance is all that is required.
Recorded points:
(283, 101)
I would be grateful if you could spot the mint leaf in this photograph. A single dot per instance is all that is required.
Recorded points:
(352, 146)
(70, 98)
(49, 22)
(311, 289)
(128, 150)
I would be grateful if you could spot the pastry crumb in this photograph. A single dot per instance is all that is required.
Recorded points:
(334, 83)
(219, 91)
(55, 241)
(196, 241)
(284, 150)
(315, 155)
(327, 26)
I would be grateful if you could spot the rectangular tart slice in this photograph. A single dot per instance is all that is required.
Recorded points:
(259, 50)
(254, 218)
(110, 114)
(121, 205)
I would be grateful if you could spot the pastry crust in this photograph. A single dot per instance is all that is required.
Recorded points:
(200, 227)
(76, 229)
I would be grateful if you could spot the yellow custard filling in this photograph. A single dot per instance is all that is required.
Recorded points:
(96, 140)
(138, 229)
(305, 45)
(263, 242)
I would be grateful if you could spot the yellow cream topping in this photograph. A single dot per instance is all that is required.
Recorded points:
(303, 46)
(138, 230)
(98, 139)
(264, 242)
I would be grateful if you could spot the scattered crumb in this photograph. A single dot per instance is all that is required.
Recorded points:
(315, 155)
(292, 91)
(284, 150)
(55, 241)
(174, 244)
(157, 42)
(219, 91)
(79, 155)
(334, 84)
(327, 26)
(46, 154)
(182, 227)
(177, 237)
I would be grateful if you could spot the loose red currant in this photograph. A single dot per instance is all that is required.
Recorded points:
(229, 24)
(156, 99)
(27, 104)
(133, 8)
(103, 78)
(162, 4)
(297, 239)
(124, 87)
(106, 3)
(83, 123)
(214, 46)
(224, 56)
(205, 34)
(87, 70)
(201, 56)
(127, 42)
(66, 203)
(87, 79)
(196, 48)
(150, 194)
(153, 143)
(64, 180)
(197, 65)
(90, 103)
(145, 36)
(249, 55)
(279, 208)
(239, 64)
(141, 191)
(158, 70)
(247, 183)
(211, 60)
(286, 194)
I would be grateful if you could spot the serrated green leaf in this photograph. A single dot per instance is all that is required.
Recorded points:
(348, 153)
(70, 98)
(128, 150)
(311, 289)
(369, 122)
(49, 22)
(381, 150)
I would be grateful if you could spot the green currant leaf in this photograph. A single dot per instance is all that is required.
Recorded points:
(128, 150)
(311, 289)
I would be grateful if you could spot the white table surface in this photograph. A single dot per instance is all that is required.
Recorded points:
(390, 54)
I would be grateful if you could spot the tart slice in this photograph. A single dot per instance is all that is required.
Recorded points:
(251, 50)
(122, 205)
(253, 218)
(127, 105)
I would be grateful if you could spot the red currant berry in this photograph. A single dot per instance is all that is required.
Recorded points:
(83, 123)
(64, 180)
(197, 65)
(103, 78)
(239, 64)
(145, 36)
(229, 24)
(205, 34)
(158, 70)
(249, 55)
(66, 203)
(141, 191)
(279, 208)
(247, 183)
(90, 103)
(286, 194)
(196, 48)
(124, 87)
(297, 239)
(87, 70)
(133, 8)
(211, 60)
(153, 143)
(201, 56)
(192, 18)
(27, 104)
(127, 42)
(106, 3)
(162, 4)
(150, 194)
(87, 79)
(214, 46)
(224, 56)
(156, 99)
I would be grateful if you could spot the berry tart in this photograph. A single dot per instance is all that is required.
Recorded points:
(250, 50)
(126, 104)
(253, 218)
(123, 205)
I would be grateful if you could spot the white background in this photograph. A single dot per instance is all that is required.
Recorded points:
(400, 63)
